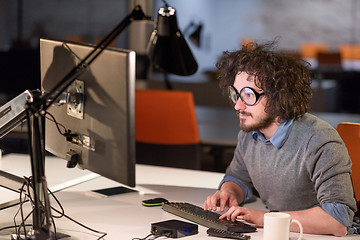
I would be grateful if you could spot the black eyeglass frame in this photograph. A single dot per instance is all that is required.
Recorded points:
(238, 95)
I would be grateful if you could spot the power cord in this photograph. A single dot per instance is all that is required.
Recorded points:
(20, 229)
(22, 200)
(27, 184)
(153, 236)
(58, 125)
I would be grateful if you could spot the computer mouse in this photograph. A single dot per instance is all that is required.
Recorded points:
(153, 202)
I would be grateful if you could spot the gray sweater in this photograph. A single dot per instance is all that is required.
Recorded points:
(311, 168)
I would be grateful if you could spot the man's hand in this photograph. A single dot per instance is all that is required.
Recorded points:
(221, 198)
(314, 220)
(241, 213)
(230, 194)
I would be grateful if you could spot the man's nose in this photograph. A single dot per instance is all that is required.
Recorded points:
(239, 105)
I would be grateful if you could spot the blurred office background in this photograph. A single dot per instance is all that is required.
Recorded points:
(224, 25)
(217, 26)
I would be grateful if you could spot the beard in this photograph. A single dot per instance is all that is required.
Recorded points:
(261, 124)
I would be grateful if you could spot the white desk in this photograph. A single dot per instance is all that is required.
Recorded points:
(123, 216)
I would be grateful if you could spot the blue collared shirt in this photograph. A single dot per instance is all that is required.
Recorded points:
(338, 211)
(280, 135)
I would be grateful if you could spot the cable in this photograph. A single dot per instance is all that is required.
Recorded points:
(20, 210)
(22, 225)
(153, 236)
(71, 137)
(28, 185)
(56, 124)
(66, 133)
(143, 238)
(82, 225)
(62, 214)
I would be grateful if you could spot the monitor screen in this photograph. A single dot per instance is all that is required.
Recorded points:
(98, 108)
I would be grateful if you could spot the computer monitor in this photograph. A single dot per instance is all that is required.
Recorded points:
(98, 109)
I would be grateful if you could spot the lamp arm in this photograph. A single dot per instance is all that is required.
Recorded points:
(13, 114)
(48, 98)
(31, 106)
(35, 118)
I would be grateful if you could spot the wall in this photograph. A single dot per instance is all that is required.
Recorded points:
(225, 22)
(58, 19)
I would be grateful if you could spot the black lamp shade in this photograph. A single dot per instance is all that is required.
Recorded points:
(168, 49)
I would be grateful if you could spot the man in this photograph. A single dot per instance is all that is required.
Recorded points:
(294, 161)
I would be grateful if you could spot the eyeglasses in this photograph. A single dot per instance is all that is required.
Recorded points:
(247, 95)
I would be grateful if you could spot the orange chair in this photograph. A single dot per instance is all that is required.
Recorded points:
(166, 129)
(329, 58)
(350, 51)
(311, 49)
(350, 133)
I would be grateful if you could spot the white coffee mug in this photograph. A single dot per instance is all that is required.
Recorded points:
(277, 226)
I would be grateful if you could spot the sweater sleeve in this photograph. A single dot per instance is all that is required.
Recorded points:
(329, 167)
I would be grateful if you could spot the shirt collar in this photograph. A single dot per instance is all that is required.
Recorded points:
(280, 135)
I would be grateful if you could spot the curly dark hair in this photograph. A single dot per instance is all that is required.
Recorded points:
(284, 79)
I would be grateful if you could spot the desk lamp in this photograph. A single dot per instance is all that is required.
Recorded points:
(31, 105)
(167, 47)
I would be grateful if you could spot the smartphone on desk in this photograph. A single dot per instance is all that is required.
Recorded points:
(108, 192)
